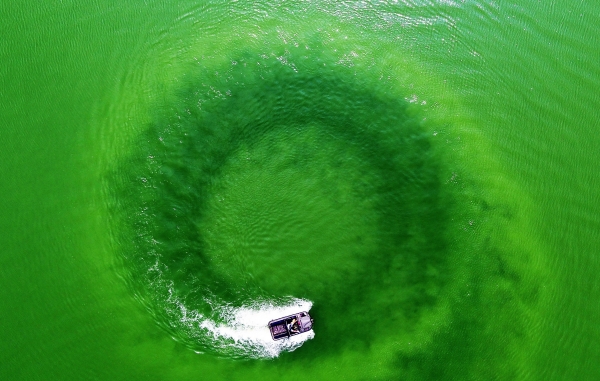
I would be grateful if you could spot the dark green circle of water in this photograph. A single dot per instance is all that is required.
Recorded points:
(391, 199)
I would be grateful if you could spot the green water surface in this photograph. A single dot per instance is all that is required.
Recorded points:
(423, 172)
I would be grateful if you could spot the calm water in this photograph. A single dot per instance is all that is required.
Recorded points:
(421, 176)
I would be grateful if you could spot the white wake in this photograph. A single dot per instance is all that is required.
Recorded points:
(243, 331)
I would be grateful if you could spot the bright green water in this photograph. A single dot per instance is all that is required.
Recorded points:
(423, 173)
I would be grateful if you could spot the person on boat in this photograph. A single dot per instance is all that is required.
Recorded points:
(293, 327)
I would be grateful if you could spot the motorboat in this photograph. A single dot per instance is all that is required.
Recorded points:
(290, 325)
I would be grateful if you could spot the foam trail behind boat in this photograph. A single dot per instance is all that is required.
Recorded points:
(245, 328)
(240, 332)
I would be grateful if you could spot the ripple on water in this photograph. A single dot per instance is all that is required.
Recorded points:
(277, 175)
